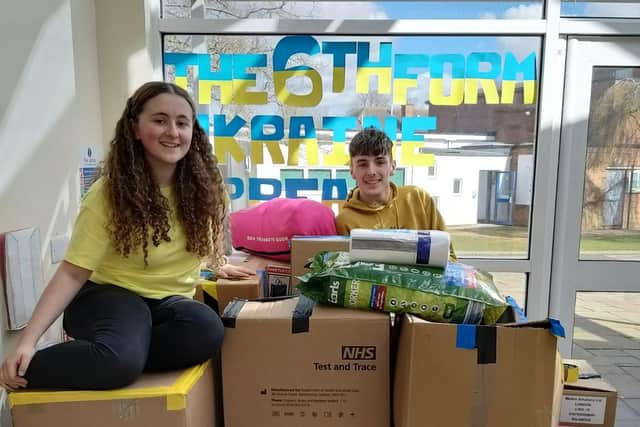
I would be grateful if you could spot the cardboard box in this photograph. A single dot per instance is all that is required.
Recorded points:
(207, 292)
(219, 293)
(305, 247)
(484, 376)
(590, 401)
(289, 363)
(180, 398)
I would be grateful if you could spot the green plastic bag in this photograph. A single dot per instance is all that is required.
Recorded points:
(458, 294)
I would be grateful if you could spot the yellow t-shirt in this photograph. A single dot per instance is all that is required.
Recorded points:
(171, 270)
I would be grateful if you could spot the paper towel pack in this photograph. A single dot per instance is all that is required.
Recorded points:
(423, 247)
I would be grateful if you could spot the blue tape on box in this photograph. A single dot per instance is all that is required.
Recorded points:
(516, 308)
(466, 336)
(556, 328)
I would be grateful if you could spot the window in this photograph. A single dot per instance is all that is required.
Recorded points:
(431, 170)
(482, 125)
(291, 174)
(635, 181)
(398, 177)
(320, 175)
(216, 9)
(612, 173)
(600, 9)
(457, 185)
(345, 174)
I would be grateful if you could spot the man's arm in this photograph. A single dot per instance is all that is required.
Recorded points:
(341, 228)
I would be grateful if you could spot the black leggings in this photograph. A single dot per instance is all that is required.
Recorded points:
(118, 335)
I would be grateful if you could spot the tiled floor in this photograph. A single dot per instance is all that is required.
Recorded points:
(607, 334)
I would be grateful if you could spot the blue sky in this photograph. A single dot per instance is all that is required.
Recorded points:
(493, 10)
(461, 10)
(478, 9)
(447, 10)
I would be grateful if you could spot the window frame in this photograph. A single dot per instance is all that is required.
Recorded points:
(551, 28)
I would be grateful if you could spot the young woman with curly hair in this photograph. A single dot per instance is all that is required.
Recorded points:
(128, 278)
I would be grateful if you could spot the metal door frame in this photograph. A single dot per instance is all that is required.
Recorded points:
(570, 274)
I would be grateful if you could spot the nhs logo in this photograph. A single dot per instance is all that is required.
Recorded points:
(358, 352)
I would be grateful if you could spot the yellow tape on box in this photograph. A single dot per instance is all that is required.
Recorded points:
(176, 393)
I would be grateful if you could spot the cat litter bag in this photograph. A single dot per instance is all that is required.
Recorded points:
(458, 294)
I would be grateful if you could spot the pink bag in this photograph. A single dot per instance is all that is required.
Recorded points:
(266, 229)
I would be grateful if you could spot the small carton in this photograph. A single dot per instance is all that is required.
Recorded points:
(179, 398)
(277, 281)
(590, 401)
(290, 363)
(305, 247)
(484, 376)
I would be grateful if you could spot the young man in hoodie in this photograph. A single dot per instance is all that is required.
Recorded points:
(376, 202)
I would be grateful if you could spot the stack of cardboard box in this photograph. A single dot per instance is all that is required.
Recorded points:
(272, 278)
(217, 294)
(332, 366)
(317, 374)
(292, 363)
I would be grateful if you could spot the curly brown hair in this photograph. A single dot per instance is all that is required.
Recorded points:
(139, 211)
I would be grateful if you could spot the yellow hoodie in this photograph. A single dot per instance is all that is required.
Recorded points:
(409, 207)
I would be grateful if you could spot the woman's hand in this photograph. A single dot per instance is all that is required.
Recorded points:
(230, 271)
(64, 285)
(14, 367)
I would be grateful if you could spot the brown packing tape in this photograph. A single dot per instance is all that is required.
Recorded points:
(486, 343)
(485, 379)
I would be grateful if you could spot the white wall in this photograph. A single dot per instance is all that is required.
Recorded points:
(49, 111)
(123, 57)
(458, 209)
(68, 68)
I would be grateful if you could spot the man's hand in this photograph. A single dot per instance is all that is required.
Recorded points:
(14, 367)
(230, 271)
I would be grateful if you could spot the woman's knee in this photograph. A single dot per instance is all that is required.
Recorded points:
(120, 368)
(205, 326)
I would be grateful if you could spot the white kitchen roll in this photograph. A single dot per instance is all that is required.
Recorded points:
(424, 247)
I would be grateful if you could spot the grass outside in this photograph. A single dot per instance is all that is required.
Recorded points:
(511, 241)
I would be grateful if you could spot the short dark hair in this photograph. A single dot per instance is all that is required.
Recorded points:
(371, 142)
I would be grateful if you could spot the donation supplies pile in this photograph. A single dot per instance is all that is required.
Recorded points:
(403, 271)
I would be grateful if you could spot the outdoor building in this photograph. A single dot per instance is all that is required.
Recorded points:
(612, 190)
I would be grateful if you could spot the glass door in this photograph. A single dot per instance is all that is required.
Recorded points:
(597, 228)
